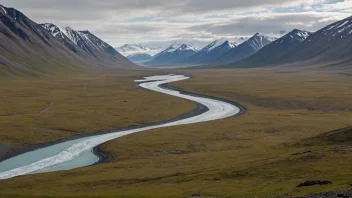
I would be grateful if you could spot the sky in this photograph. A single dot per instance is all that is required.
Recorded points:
(198, 22)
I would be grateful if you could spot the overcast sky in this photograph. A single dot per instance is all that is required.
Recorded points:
(149, 21)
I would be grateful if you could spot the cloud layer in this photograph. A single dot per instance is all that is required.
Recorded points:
(160, 21)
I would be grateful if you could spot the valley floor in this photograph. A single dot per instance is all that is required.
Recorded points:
(298, 127)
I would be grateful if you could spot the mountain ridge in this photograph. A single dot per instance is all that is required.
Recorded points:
(172, 55)
(210, 53)
(273, 52)
(86, 44)
(246, 49)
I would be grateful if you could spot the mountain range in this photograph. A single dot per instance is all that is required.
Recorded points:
(172, 55)
(246, 49)
(328, 48)
(210, 53)
(220, 51)
(29, 49)
(274, 51)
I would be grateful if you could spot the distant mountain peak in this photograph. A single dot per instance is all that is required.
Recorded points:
(129, 50)
(247, 48)
(295, 34)
(68, 28)
(213, 45)
(173, 47)
(230, 44)
(260, 36)
(272, 35)
(173, 54)
(176, 44)
(184, 47)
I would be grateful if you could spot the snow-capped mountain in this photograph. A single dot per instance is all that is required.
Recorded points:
(275, 51)
(295, 36)
(54, 30)
(137, 53)
(28, 49)
(211, 46)
(131, 49)
(186, 48)
(330, 46)
(211, 52)
(247, 48)
(171, 48)
(61, 36)
(89, 42)
(87, 45)
(173, 54)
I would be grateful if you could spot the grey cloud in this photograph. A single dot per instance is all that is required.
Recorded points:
(274, 22)
(105, 18)
(95, 10)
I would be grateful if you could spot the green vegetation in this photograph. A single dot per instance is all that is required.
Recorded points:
(297, 128)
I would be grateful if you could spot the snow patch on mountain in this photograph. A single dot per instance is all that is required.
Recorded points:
(294, 36)
(3, 9)
(185, 47)
(259, 40)
(54, 30)
(172, 48)
(338, 28)
(212, 45)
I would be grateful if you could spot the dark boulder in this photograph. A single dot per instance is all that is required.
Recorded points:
(314, 182)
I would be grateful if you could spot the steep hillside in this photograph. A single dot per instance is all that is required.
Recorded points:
(328, 47)
(31, 49)
(105, 54)
(27, 49)
(61, 36)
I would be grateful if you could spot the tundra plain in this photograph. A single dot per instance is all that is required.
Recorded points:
(298, 127)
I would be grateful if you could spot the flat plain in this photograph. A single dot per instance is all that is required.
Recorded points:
(298, 127)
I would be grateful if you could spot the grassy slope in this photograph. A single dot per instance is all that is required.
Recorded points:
(247, 155)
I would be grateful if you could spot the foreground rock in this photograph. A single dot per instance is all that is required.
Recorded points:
(313, 183)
